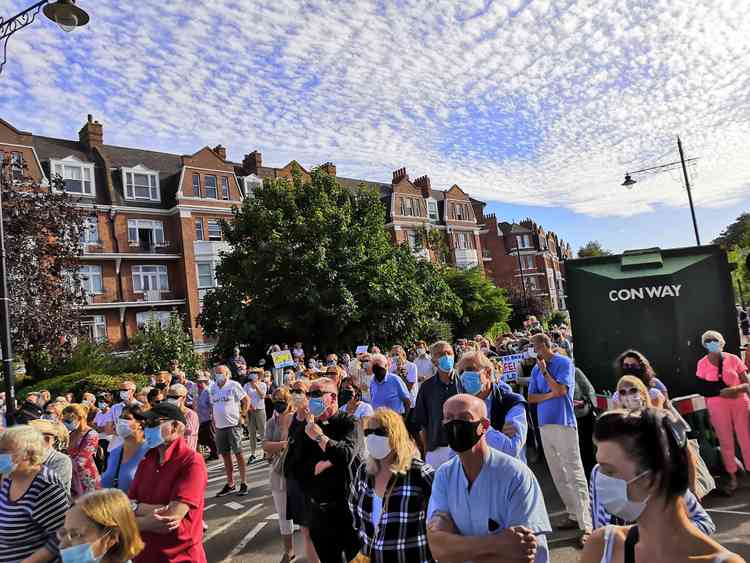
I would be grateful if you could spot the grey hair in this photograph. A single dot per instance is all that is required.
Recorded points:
(26, 440)
(437, 347)
(713, 334)
(380, 357)
(481, 359)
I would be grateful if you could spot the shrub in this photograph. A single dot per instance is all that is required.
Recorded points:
(155, 346)
(558, 317)
(437, 330)
(81, 382)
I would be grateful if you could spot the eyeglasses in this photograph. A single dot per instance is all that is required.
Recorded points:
(375, 432)
(707, 340)
(175, 397)
(628, 391)
(317, 393)
(297, 392)
(64, 536)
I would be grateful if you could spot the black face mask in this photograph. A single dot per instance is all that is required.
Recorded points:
(161, 386)
(346, 395)
(633, 370)
(462, 434)
(379, 372)
(280, 407)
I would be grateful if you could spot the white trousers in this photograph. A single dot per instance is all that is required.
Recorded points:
(438, 457)
(564, 461)
(279, 502)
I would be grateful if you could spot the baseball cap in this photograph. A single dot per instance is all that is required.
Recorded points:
(166, 411)
(202, 377)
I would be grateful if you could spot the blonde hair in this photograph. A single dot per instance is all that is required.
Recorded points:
(714, 335)
(53, 428)
(636, 382)
(110, 509)
(26, 440)
(398, 438)
(79, 410)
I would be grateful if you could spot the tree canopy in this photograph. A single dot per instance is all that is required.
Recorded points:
(591, 249)
(312, 261)
(733, 235)
(482, 303)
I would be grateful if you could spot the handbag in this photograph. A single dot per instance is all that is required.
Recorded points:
(365, 558)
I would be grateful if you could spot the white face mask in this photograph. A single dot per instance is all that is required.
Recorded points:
(220, 378)
(420, 351)
(531, 353)
(125, 395)
(613, 494)
(123, 429)
(632, 402)
(378, 446)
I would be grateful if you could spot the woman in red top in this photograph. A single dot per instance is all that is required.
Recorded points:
(724, 383)
(82, 447)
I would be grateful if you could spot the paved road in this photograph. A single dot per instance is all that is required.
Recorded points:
(245, 529)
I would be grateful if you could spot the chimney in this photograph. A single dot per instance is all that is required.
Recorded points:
(91, 134)
(423, 183)
(399, 175)
(252, 163)
(220, 151)
(329, 168)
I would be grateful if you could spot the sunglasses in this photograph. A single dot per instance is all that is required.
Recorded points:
(297, 392)
(317, 394)
(154, 422)
(628, 391)
(375, 432)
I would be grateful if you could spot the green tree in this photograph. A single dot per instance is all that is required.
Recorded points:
(733, 235)
(155, 346)
(313, 262)
(482, 303)
(591, 249)
(433, 240)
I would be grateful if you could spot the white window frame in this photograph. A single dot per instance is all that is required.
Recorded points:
(412, 239)
(527, 262)
(196, 193)
(142, 273)
(90, 232)
(98, 327)
(532, 283)
(209, 222)
(464, 240)
(16, 165)
(216, 186)
(57, 166)
(129, 186)
(225, 195)
(199, 223)
(134, 225)
(88, 276)
(162, 316)
(524, 241)
(432, 204)
(252, 183)
(202, 288)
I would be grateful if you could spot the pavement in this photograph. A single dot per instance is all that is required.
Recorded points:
(245, 529)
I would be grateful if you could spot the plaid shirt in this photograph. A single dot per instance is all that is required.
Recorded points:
(402, 534)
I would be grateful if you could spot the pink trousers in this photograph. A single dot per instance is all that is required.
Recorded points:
(730, 416)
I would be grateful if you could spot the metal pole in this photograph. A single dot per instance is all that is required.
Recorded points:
(523, 283)
(5, 339)
(690, 195)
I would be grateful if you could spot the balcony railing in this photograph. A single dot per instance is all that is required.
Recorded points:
(152, 295)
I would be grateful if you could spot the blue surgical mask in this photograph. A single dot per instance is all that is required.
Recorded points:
(713, 347)
(445, 363)
(220, 379)
(6, 465)
(80, 553)
(71, 425)
(123, 429)
(153, 437)
(317, 406)
(101, 406)
(471, 381)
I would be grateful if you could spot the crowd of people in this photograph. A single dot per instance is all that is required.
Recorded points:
(419, 454)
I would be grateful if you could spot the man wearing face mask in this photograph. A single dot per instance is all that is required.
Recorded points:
(177, 396)
(423, 362)
(387, 389)
(551, 388)
(505, 409)
(428, 411)
(126, 394)
(206, 428)
(168, 491)
(256, 390)
(483, 502)
(320, 455)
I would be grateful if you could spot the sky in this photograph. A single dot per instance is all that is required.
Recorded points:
(537, 107)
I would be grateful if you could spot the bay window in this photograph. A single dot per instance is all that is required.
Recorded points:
(146, 233)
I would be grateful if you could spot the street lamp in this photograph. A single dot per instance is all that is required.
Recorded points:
(630, 181)
(64, 13)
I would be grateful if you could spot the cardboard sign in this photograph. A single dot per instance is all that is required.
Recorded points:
(282, 359)
(361, 349)
(512, 366)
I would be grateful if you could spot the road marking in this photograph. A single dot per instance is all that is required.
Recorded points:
(207, 507)
(264, 497)
(240, 546)
(233, 521)
(731, 506)
(273, 517)
(234, 505)
(728, 511)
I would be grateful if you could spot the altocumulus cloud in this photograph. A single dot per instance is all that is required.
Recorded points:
(529, 102)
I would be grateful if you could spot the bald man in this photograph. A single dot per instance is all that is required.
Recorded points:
(483, 501)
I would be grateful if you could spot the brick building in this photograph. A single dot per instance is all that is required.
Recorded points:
(153, 235)
(524, 257)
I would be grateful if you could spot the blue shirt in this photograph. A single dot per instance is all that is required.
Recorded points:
(391, 393)
(505, 491)
(515, 446)
(203, 407)
(560, 409)
(127, 469)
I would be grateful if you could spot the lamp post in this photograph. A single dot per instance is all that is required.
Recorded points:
(523, 283)
(64, 13)
(629, 181)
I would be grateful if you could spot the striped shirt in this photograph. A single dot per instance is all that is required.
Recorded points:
(31, 522)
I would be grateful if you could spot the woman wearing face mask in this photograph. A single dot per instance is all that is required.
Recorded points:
(177, 395)
(643, 478)
(350, 397)
(632, 394)
(100, 527)
(723, 381)
(124, 459)
(84, 442)
(274, 444)
(101, 419)
(632, 362)
(296, 502)
(55, 435)
(32, 499)
(390, 493)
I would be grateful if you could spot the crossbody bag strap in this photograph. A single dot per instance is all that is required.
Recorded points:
(116, 479)
(387, 495)
(630, 542)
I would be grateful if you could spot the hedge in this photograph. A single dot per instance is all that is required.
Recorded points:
(80, 382)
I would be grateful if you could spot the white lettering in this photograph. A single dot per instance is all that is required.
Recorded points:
(623, 294)
(667, 290)
(676, 289)
(636, 292)
(613, 295)
(650, 292)
(653, 292)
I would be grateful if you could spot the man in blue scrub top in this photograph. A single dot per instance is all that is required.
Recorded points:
(505, 409)
(484, 503)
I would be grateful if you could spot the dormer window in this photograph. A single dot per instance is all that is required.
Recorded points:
(141, 184)
(77, 176)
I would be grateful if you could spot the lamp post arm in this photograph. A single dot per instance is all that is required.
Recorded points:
(11, 25)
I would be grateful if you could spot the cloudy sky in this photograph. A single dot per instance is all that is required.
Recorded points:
(537, 107)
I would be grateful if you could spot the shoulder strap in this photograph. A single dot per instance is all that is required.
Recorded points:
(116, 478)
(630, 542)
(384, 509)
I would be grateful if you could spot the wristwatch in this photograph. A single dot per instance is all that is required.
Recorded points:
(134, 504)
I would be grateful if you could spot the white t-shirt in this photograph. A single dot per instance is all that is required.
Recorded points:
(257, 401)
(411, 377)
(225, 402)
(363, 409)
(424, 367)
